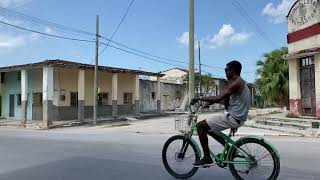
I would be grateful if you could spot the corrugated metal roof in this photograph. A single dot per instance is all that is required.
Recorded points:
(75, 65)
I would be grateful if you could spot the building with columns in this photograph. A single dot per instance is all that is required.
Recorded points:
(55, 90)
(304, 57)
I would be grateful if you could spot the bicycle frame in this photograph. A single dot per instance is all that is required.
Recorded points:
(229, 143)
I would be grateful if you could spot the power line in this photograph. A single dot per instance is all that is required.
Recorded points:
(67, 28)
(124, 16)
(11, 13)
(146, 57)
(90, 41)
(143, 52)
(47, 34)
(83, 40)
(71, 29)
(244, 13)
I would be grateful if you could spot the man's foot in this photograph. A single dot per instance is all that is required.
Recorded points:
(205, 162)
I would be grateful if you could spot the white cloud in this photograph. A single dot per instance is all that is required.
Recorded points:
(223, 35)
(48, 30)
(14, 41)
(227, 35)
(184, 40)
(277, 13)
(240, 37)
(13, 3)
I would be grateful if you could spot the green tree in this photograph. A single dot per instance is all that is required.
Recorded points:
(207, 81)
(273, 77)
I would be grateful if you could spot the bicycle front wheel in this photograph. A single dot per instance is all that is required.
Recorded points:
(264, 163)
(177, 163)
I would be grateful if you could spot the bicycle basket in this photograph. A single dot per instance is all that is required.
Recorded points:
(181, 123)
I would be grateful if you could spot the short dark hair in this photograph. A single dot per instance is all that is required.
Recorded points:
(235, 66)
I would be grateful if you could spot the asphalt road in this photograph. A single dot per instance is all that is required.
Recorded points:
(97, 155)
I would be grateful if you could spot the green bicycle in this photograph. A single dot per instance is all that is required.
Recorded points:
(249, 157)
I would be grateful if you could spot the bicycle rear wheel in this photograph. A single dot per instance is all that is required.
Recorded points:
(179, 165)
(265, 163)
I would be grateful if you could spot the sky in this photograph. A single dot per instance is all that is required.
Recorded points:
(158, 27)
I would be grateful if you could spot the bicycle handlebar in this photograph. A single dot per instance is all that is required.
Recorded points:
(198, 107)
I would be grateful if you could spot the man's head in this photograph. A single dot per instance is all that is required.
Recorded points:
(233, 69)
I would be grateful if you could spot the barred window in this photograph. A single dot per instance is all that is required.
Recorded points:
(127, 98)
(19, 76)
(37, 99)
(3, 74)
(19, 99)
(307, 61)
(74, 99)
(103, 99)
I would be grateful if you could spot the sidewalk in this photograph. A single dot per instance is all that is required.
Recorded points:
(35, 124)
(166, 126)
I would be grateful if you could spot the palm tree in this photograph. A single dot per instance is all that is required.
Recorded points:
(273, 77)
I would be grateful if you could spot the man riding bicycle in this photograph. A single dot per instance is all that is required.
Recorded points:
(238, 94)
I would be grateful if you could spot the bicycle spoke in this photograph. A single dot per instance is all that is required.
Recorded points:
(247, 148)
(263, 166)
(269, 154)
(193, 155)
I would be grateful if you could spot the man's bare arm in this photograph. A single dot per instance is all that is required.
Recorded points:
(232, 88)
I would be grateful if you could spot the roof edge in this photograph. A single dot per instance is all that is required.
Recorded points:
(75, 65)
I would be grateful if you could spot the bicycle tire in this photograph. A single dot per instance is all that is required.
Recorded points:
(165, 160)
(275, 159)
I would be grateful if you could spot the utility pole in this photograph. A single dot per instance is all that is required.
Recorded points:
(191, 50)
(200, 76)
(95, 101)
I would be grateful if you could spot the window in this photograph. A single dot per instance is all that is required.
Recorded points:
(178, 94)
(19, 76)
(19, 99)
(103, 99)
(307, 61)
(74, 99)
(153, 95)
(62, 95)
(3, 74)
(37, 99)
(127, 98)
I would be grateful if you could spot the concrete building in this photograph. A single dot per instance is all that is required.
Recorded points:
(178, 76)
(304, 57)
(63, 90)
(173, 76)
(171, 96)
(175, 90)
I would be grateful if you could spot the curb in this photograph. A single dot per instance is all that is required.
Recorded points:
(274, 129)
